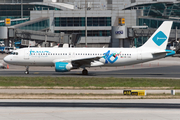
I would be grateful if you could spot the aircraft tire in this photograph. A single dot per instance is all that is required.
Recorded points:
(26, 72)
(85, 72)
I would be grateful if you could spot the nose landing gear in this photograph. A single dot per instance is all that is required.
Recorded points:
(27, 70)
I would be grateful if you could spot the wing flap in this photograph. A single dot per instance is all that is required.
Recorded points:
(85, 61)
(90, 59)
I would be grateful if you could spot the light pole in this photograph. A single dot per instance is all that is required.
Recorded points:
(21, 8)
(86, 23)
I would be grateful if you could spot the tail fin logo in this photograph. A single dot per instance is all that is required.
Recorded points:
(159, 38)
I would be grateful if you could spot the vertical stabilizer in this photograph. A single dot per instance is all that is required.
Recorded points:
(160, 38)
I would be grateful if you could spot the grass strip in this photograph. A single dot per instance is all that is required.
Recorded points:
(88, 82)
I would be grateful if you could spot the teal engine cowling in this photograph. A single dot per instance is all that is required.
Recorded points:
(63, 67)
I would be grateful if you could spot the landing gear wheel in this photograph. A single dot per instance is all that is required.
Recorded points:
(85, 72)
(27, 70)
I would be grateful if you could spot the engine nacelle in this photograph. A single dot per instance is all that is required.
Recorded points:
(63, 66)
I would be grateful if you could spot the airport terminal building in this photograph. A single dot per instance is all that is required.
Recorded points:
(108, 23)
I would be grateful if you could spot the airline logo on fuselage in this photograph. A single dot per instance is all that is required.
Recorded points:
(31, 51)
(159, 38)
(108, 57)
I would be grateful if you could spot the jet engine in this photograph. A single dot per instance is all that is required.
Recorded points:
(63, 67)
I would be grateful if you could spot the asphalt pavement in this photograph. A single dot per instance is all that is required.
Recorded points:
(90, 109)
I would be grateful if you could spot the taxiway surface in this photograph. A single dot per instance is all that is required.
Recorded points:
(159, 72)
(89, 109)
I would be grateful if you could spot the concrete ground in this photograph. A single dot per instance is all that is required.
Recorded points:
(36, 113)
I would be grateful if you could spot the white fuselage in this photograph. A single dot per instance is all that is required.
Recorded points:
(107, 56)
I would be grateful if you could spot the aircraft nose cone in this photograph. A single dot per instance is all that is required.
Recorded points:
(7, 59)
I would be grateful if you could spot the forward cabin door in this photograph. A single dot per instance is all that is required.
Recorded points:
(26, 54)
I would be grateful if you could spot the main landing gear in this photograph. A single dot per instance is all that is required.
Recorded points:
(85, 72)
(27, 70)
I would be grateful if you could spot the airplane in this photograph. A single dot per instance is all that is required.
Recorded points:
(67, 59)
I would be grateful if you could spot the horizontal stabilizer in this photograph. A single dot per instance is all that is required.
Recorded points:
(168, 52)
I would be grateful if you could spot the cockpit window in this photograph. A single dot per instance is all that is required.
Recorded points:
(14, 53)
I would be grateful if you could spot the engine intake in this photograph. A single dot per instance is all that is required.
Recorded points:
(63, 67)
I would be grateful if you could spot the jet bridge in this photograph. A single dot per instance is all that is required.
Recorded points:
(173, 38)
(37, 30)
(47, 37)
(135, 32)
(123, 36)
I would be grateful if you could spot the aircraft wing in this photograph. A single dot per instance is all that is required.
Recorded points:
(78, 62)
(84, 61)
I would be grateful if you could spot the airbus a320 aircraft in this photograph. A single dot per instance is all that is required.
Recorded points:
(66, 59)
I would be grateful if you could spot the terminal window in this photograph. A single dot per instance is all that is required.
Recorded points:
(80, 21)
